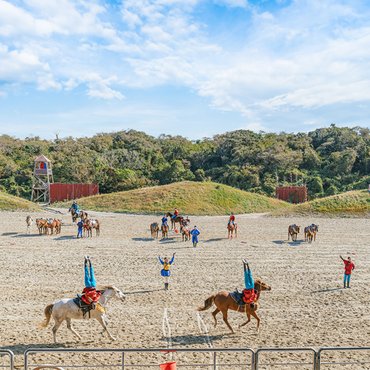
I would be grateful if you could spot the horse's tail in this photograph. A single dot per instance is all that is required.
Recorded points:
(207, 303)
(47, 311)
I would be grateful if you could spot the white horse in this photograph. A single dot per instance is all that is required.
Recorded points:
(29, 222)
(66, 309)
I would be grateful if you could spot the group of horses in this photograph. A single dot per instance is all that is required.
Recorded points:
(181, 220)
(309, 232)
(46, 226)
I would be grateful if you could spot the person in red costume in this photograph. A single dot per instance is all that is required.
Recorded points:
(232, 219)
(348, 267)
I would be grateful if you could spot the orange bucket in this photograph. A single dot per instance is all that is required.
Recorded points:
(168, 366)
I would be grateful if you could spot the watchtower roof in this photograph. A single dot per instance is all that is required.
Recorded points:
(42, 158)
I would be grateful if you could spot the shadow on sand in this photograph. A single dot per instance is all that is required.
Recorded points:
(8, 234)
(143, 239)
(193, 339)
(19, 349)
(291, 243)
(26, 235)
(327, 290)
(214, 240)
(66, 237)
(143, 291)
(168, 241)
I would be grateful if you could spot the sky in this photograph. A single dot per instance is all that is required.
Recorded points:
(182, 67)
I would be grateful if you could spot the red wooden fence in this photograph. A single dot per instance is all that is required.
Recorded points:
(60, 192)
(292, 194)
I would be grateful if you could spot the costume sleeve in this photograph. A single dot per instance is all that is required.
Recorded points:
(160, 260)
(172, 259)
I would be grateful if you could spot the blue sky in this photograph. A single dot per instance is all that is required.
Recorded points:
(189, 67)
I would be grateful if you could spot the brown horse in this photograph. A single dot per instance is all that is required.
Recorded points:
(52, 224)
(164, 229)
(293, 231)
(41, 225)
(224, 302)
(185, 233)
(231, 228)
(154, 229)
(178, 219)
(310, 232)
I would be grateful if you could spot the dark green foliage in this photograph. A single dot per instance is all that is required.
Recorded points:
(328, 160)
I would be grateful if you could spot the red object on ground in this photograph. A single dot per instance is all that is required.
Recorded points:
(168, 366)
(60, 192)
(292, 194)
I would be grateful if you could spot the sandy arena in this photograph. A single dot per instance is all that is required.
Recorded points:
(306, 307)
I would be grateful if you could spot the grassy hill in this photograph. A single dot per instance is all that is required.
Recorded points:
(200, 198)
(12, 203)
(352, 203)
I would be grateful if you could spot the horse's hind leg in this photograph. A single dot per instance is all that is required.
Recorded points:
(104, 325)
(224, 316)
(69, 326)
(214, 313)
(245, 323)
(55, 328)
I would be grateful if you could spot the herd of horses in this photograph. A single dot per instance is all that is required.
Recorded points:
(309, 232)
(181, 220)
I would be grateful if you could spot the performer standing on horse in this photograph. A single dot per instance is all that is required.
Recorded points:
(232, 219)
(249, 294)
(165, 272)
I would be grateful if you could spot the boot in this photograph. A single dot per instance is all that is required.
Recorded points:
(165, 286)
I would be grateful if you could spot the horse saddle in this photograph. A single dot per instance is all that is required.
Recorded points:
(238, 297)
(84, 307)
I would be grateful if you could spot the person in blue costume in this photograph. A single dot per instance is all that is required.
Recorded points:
(249, 294)
(80, 226)
(164, 221)
(194, 236)
(75, 207)
(165, 272)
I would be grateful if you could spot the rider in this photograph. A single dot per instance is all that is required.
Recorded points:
(89, 295)
(232, 219)
(175, 213)
(75, 207)
(249, 294)
(164, 220)
(165, 272)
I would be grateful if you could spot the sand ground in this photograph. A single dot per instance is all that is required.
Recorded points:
(306, 306)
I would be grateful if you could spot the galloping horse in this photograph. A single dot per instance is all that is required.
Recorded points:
(154, 229)
(66, 309)
(231, 227)
(293, 231)
(177, 219)
(224, 302)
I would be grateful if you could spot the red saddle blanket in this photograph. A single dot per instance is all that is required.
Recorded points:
(249, 295)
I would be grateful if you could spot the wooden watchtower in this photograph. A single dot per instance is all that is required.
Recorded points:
(41, 180)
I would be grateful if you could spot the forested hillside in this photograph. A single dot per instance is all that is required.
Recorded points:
(329, 160)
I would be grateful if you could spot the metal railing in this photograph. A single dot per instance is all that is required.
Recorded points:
(5, 353)
(347, 364)
(212, 361)
(297, 364)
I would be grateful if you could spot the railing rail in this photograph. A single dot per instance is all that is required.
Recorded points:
(10, 354)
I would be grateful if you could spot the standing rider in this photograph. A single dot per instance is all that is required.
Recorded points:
(249, 295)
(232, 219)
(90, 295)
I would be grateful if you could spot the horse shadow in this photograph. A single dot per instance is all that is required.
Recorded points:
(214, 240)
(194, 339)
(143, 291)
(9, 234)
(327, 290)
(143, 239)
(19, 349)
(297, 242)
(26, 235)
(65, 237)
(168, 241)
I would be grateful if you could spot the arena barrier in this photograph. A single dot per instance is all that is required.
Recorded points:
(196, 359)
(127, 359)
(300, 358)
(6, 359)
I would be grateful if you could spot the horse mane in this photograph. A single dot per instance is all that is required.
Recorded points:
(106, 287)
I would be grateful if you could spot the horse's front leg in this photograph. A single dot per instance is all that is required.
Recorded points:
(104, 325)
(254, 314)
(245, 323)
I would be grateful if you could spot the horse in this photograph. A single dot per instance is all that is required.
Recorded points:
(154, 229)
(41, 225)
(66, 309)
(164, 229)
(52, 224)
(93, 224)
(231, 227)
(293, 231)
(177, 219)
(310, 232)
(29, 222)
(75, 215)
(185, 233)
(224, 302)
